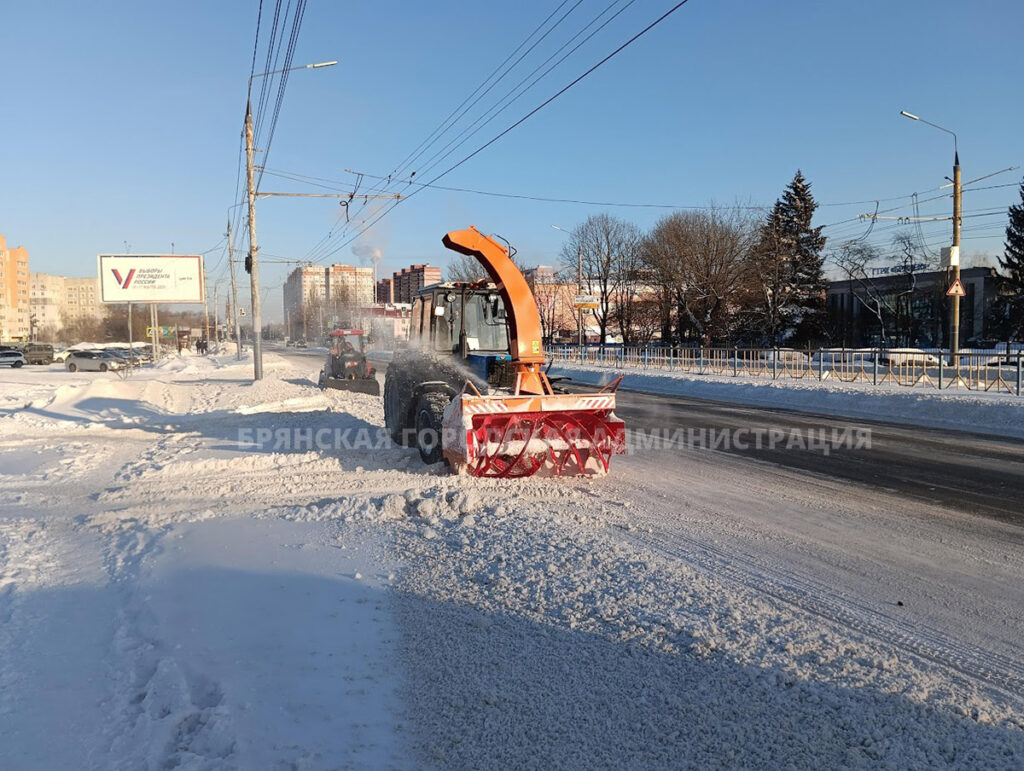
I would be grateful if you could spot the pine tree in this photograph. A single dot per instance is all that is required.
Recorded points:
(1012, 264)
(789, 263)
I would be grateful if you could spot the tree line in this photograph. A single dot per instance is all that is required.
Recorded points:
(717, 276)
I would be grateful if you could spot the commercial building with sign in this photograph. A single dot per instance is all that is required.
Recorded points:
(897, 308)
(14, 297)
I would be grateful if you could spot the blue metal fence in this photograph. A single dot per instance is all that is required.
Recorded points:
(973, 370)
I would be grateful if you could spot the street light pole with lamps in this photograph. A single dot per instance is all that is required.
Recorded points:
(252, 263)
(579, 290)
(954, 252)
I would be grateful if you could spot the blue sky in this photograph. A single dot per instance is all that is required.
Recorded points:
(122, 120)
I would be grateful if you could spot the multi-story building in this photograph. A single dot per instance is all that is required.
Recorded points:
(349, 286)
(304, 293)
(46, 301)
(14, 299)
(57, 302)
(408, 281)
(385, 291)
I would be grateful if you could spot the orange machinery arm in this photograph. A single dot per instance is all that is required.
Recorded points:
(520, 306)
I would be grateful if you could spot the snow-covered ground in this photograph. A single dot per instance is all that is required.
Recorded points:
(992, 412)
(176, 592)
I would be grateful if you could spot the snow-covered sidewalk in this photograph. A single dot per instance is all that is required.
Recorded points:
(999, 414)
(201, 572)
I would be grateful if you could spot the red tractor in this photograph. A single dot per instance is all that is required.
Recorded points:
(347, 368)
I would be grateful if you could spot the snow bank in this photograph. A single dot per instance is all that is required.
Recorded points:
(982, 413)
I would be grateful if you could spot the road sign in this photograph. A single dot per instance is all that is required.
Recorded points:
(957, 290)
(151, 278)
(161, 330)
(586, 301)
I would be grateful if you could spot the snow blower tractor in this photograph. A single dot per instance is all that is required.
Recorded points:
(346, 367)
(471, 388)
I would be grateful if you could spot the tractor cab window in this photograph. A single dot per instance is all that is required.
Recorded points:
(486, 324)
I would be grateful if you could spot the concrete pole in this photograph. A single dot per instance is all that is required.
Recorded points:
(579, 291)
(955, 326)
(254, 268)
(206, 305)
(234, 297)
(156, 330)
(216, 318)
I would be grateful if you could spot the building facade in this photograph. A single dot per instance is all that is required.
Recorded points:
(408, 281)
(58, 302)
(347, 285)
(15, 314)
(304, 293)
(385, 291)
(909, 309)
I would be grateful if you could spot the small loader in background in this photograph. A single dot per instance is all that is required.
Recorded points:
(347, 368)
(471, 388)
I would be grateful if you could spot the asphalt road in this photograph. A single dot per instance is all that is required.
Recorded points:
(962, 472)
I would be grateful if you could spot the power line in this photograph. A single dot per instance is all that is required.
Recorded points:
(519, 122)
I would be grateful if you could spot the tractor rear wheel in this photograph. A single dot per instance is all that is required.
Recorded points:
(394, 412)
(429, 414)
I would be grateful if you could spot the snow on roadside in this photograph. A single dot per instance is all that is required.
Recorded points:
(236, 606)
(983, 413)
(560, 642)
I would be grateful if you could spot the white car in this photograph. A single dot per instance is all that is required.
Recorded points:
(12, 358)
(93, 361)
(908, 357)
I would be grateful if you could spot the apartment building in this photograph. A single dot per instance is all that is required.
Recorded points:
(59, 301)
(408, 281)
(349, 285)
(14, 297)
(304, 293)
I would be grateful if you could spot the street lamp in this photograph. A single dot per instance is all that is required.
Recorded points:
(252, 264)
(579, 290)
(954, 252)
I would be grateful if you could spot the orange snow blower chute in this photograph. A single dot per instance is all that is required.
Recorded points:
(531, 430)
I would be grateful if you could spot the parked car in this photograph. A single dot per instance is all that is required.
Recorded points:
(93, 361)
(38, 353)
(908, 356)
(12, 358)
(126, 355)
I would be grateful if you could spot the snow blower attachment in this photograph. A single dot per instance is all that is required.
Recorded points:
(527, 429)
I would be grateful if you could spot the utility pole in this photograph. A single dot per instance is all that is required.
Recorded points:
(954, 256)
(579, 291)
(234, 296)
(253, 261)
(206, 304)
(216, 318)
(954, 252)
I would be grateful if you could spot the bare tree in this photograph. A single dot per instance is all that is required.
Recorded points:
(701, 262)
(607, 247)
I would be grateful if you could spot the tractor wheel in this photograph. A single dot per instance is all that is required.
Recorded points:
(394, 409)
(429, 414)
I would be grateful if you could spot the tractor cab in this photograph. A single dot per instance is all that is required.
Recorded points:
(467, 322)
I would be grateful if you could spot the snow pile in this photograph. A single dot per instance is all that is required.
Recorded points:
(172, 595)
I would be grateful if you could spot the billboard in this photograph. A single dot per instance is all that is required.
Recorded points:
(151, 278)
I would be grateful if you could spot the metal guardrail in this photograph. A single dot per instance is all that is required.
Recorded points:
(976, 370)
